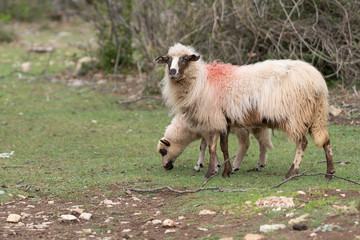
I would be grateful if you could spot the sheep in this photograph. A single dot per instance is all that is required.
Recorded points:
(178, 135)
(289, 95)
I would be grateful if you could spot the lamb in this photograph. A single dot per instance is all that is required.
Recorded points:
(289, 95)
(178, 135)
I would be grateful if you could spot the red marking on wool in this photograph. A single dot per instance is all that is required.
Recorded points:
(219, 74)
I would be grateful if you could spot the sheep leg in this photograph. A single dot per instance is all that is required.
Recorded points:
(224, 144)
(212, 141)
(259, 135)
(244, 144)
(329, 160)
(200, 162)
(300, 149)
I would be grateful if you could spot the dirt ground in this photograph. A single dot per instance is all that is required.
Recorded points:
(133, 216)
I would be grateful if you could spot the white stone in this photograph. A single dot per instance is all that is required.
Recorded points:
(298, 219)
(25, 66)
(156, 221)
(273, 227)
(51, 202)
(126, 230)
(68, 217)
(168, 223)
(6, 155)
(170, 231)
(87, 230)
(2, 192)
(85, 216)
(275, 202)
(25, 215)
(109, 219)
(227, 238)
(251, 236)
(301, 192)
(203, 229)
(343, 195)
(206, 212)
(13, 218)
(181, 218)
(290, 214)
(313, 235)
(30, 206)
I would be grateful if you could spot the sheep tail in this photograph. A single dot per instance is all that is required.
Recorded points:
(318, 130)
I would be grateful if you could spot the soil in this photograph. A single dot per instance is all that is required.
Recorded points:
(130, 216)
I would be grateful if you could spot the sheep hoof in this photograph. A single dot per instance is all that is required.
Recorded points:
(235, 169)
(329, 176)
(197, 168)
(257, 169)
(201, 165)
(226, 174)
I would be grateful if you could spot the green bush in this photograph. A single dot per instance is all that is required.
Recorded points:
(24, 10)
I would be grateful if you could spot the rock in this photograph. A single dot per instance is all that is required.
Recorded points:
(109, 219)
(181, 218)
(77, 210)
(334, 111)
(299, 219)
(68, 217)
(300, 227)
(203, 229)
(168, 223)
(87, 230)
(156, 221)
(275, 202)
(206, 212)
(25, 215)
(25, 66)
(82, 62)
(170, 231)
(6, 155)
(226, 238)
(301, 192)
(51, 202)
(128, 192)
(85, 216)
(273, 227)
(13, 218)
(313, 234)
(2, 192)
(77, 83)
(126, 230)
(251, 236)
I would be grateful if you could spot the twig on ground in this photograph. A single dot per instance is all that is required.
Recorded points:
(136, 100)
(346, 162)
(220, 189)
(314, 174)
(201, 188)
(14, 166)
(208, 179)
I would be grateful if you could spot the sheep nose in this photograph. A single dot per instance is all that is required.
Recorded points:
(172, 71)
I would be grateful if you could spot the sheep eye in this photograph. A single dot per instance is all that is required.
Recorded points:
(163, 152)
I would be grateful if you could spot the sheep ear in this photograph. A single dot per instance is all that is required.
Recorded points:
(194, 57)
(162, 59)
(165, 142)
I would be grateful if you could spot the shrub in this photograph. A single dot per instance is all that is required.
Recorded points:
(325, 33)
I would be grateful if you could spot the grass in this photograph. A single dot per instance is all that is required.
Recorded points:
(71, 142)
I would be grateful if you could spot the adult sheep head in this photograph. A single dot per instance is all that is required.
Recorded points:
(178, 59)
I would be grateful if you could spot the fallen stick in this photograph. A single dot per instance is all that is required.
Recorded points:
(15, 166)
(346, 162)
(314, 174)
(220, 189)
(208, 179)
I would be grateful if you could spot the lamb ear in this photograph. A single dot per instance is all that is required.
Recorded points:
(194, 57)
(165, 142)
(162, 59)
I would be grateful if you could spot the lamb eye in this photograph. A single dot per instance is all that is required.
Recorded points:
(163, 152)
